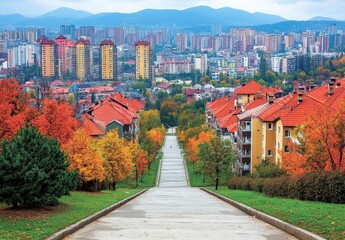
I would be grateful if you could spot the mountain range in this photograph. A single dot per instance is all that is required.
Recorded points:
(191, 17)
(196, 16)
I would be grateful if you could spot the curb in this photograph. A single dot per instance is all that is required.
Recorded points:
(185, 168)
(158, 177)
(82, 223)
(286, 227)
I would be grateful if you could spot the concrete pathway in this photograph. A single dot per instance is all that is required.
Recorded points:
(175, 211)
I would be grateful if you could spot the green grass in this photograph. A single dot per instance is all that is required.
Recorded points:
(196, 179)
(324, 219)
(149, 178)
(43, 222)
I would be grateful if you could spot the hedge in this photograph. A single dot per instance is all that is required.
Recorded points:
(326, 187)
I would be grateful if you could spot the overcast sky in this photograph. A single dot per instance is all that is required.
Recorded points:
(289, 9)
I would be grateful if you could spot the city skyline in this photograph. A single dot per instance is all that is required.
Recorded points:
(291, 9)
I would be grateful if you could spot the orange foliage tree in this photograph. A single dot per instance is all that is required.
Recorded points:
(154, 142)
(192, 147)
(57, 120)
(322, 146)
(86, 159)
(118, 158)
(325, 138)
(139, 159)
(13, 108)
(294, 161)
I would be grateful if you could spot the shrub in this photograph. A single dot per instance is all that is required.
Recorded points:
(280, 187)
(318, 186)
(33, 170)
(268, 170)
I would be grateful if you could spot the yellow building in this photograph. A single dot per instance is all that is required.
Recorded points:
(48, 52)
(142, 60)
(108, 60)
(83, 68)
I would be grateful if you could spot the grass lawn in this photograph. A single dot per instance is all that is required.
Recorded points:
(197, 179)
(149, 178)
(40, 223)
(324, 219)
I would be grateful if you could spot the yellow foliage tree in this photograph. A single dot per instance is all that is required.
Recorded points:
(86, 159)
(138, 159)
(118, 158)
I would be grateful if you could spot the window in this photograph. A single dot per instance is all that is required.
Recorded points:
(269, 152)
(287, 133)
(279, 130)
(270, 126)
(286, 148)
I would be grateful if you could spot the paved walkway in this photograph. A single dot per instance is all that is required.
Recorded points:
(175, 211)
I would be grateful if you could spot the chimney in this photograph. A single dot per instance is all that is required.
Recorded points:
(270, 99)
(300, 97)
(331, 86)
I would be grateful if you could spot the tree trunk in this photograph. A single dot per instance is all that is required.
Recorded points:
(114, 186)
(136, 177)
(217, 183)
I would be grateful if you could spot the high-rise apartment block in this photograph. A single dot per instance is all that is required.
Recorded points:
(83, 66)
(49, 61)
(142, 60)
(61, 42)
(108, 60)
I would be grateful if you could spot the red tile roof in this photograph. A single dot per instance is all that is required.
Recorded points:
(91, 127)
(297, 115)
(276, 109)
(254, 87)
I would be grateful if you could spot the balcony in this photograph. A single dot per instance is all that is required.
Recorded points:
(246, 167)
(245, 140)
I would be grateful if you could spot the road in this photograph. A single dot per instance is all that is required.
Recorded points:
(175, 211)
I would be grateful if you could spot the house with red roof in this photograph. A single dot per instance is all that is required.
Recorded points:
(113, 112)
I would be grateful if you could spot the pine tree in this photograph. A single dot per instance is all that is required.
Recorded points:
(33, 170)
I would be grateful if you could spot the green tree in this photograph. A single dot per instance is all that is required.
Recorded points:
(33, 170)
(215, 159)
(263, 67)
(168, 113)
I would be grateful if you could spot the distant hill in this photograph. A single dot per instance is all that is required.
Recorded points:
(320, 18)
(300, 26)
(191, 17)
(65, 12)
(12, 19)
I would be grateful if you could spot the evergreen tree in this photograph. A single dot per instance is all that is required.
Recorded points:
(33, 170)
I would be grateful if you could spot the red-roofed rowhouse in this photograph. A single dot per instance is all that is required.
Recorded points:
(115, 111)
(265, 131)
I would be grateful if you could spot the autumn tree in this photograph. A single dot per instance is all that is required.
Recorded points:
(294, 161)
(139, 160)
(322, 142)
(13, 108)
(118, 159)
(215, 159)
(192, 148)
(153, 143)
(85, 158)
(33, 170)
(57, 120)
(147, 121)
(325, 138)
